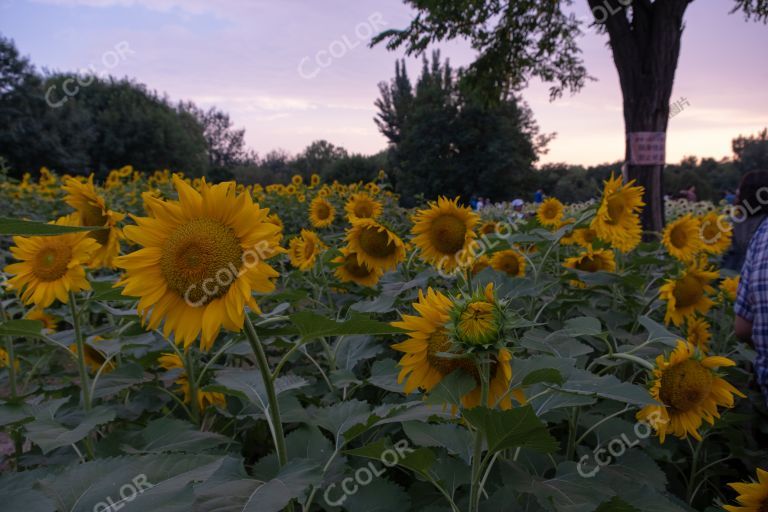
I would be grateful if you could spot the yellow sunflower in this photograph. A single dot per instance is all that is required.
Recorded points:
(617, 221)
(585, 237)
(444, 232)
(688, 294)
(297, 180)
(203, 256)
(350, 270)
(205, 399)
(488, 228)
(375, 245)
(423, 367)
(314, 180)
(682, 238)
(321, 212)
(753, 497)
(509, 261)
(479, 320)
(304, 250)
(50, 322)
(601, 260)
(716, 233)
(362, 206)
(92, 211)
(51, 266)
(688, 390)
(550, 212)
(729, 286)
(697, 330)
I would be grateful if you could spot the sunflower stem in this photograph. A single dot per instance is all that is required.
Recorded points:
(80, 342)
(193, 387)
(269, 385)
(477, 466)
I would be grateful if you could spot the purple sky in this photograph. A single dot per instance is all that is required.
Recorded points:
(293, 71)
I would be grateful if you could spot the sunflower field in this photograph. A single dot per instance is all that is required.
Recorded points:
(175, 345)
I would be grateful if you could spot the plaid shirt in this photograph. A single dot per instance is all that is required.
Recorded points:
(752, 300)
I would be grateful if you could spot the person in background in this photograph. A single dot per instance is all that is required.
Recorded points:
(538, 197)
(517, 209)
(473, 202)
(480, 204)
(730, 197)
(751, 209)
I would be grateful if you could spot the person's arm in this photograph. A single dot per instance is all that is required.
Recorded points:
(743, 328)
(743, 305)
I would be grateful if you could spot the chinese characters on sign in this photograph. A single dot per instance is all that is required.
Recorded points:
(647, 148)
(678, 106)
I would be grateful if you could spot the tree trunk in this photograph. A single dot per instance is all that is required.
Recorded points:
(645, 52)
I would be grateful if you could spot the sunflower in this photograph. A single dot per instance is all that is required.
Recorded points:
(350, 270)
(51, 266)
(698, 334)
(753, 497)
(716, 233)
(682, 238)
(444, 233)
(304, 250)
(423, 367)
(375, 245)
(489, 228)
(617, 221)
(5, 360)
(601, 260)
(92, 211)
(203, 256)
(205, 399)
(479, 320)
(314, 180)
(584, 237)
(688, 390)
(688, 294)
(362, 206)
(509, 261)
(729, 286)
(321, 212)
(94, 358)
(50, 322)
(550, 212)
(297, 180)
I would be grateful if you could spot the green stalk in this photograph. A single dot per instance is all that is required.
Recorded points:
(474, 493)
(84, 384)
(193, 387)
(11, 368)
(274, 409)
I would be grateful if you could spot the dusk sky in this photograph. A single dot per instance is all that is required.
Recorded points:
(293, 71)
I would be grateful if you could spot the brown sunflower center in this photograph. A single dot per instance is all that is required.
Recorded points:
(710, 233)
(448, 234)
(688, 291)
(376, 243)
(679, 237)
(550, 212)
(322, 211)
(363, 209)
(201, 259)
(309, 248)
(685, 385)
(615, 205)
(510, 265)
(93, 215)
(588, 235)
(437, 343)
(354, 268)
(51, 262)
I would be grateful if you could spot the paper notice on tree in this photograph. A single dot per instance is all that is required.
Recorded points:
(647, 148)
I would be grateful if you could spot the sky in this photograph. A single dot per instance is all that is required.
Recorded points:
(294, 71)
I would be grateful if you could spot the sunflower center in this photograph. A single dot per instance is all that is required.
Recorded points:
(688, 291)
(322, 211)
(51, 262)
(437, 343)
(353, 267)
(678, 237)
(376, 243)
(710, 233)
(92, 215)
(309, 249)
(477, 323)
(510, 265)
(615, 208)
(685, 385)
(588, 264)
(550, 212)
(448, 234)
(363, 210)
(201, 259)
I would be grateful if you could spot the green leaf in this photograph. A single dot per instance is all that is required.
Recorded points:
(455, 439)
(658, 332)
(14, 413)
(9, 226)
(615, 504)
(341, 417)
(381, 495)
(419, 460)
(451, 389)
(249, 385)
(583, 326)
(22, 328)
(384, 375)
(125, 376)
(18, 492)
(49, 434)
(173, 435)
(105, 290)
(511, 429)
(543, 375)
(312, 325)
(350, 350)
(606, 386)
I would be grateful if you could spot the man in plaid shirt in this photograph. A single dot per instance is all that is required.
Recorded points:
(752, 303)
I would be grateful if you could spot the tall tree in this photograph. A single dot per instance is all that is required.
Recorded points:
(226, 144)
(318, 157)
(751, 151)
(522, 39)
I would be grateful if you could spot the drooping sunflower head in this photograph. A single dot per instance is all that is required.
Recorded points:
(94, 358)
(351, 270)
(697, 330)
(172, 362)
(600, 260)
(753, 496)
(617, 221)
(51, 266)
(729, 286)
(314, 180)
(509, 261)
(321, 212)
(91, 210)
(689, 390)
(375, 245)
(716, 233)
(444, 232)
(550, 212)
(304, 249)
(362, 206)
(203, 256)
(478, 320)
(688, 293)
(682, 238)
